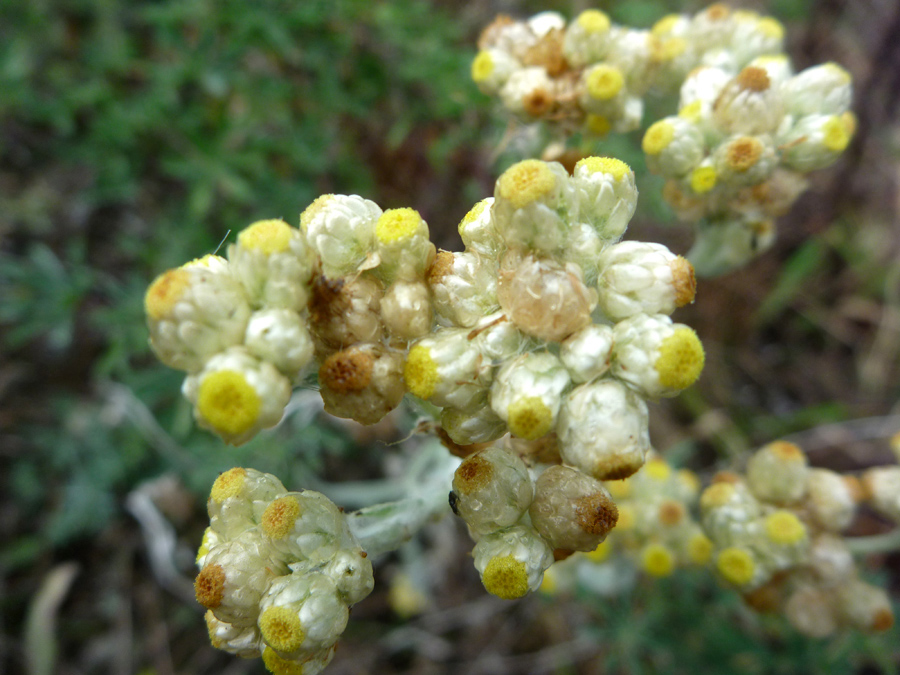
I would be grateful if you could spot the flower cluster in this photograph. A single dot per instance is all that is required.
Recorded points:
(736, 154)
(748, 128)
(279, 571)
(776, 536)
(552, 329)
(592, 75)
(522, 525)
(347, 289)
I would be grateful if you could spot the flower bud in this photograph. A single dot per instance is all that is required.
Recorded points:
(512, 562)
(527, 392)
(340, 229)
(491, 490)
(778, 473)
(363, 383)
(280, 337)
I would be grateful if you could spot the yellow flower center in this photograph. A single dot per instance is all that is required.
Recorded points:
(281, 629)
(658, 137)
(505, 577)
(598, 124)
(473, 214)
(657, 469)
(268, 236)
(614, 167)
(691, 112)
(228, 403)
(657, 560)
(716, 495)
(665, 25)
(681, 359)
(397, 224)
(165, 292)
(228, 484)
(619, 489)
(784, 528)
(529, 418)
(703, 179)
(836, 137)
(526, 182)
(593, 21)
(482, 66)
(626, 518)
(279, 517)
(736, 565)
(604, 82)
(743, 153)
(313, 210)
(699, 549)
(278, 665)
(771, 28)
(420, 372)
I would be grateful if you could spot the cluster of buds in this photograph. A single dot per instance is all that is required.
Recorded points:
(346, 290)
(736, 155)
(237, 326)
(369, 298)
(591, 75)
(521, 525)
(551, 328)
(279, 572)
(657, 529)
(776, 537)
(748, 128)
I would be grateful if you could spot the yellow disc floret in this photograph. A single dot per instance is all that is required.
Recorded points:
(657, 469)
(699, 549)
(716, 495)
(665, 25)
(473, 214)
(397, 224)
(835, 137)
(658, 137)
(228, 403)
(680, 359)
(598, 124)
(278, 665)
(482, 66)
(165, 292)
(657, 560)
(604, 82)
(281, 629)
(279, 517)
(784, 528)
(770, 27)
(593, 21)
(743, 153)
(526, 182)
(505, 577)
(268, 236)
(529, 417)
(615, 167)
(692, 111)
(420, 372)
(204, 545)
(703, 179)
(313, 209)
(736, 565)
(228, 484)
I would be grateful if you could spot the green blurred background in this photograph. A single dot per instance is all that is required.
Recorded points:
(135, 136)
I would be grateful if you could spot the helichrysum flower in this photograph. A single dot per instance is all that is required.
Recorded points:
(236, 395)
(464, 286)
(643, 278)
(587, 353)
(280, 574)
(491, 490)
(402, 245)
(830, 500)
(656, 356)
(340, 229)
(512, 561)
(363, 382)
(882, 486)
(603, 430)
(448, 369)
(778, 473)
(406, 309)
(194, 312)
(280, 337)
(571, 510)
(273, 262)
(527, 393)
(674, 146)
